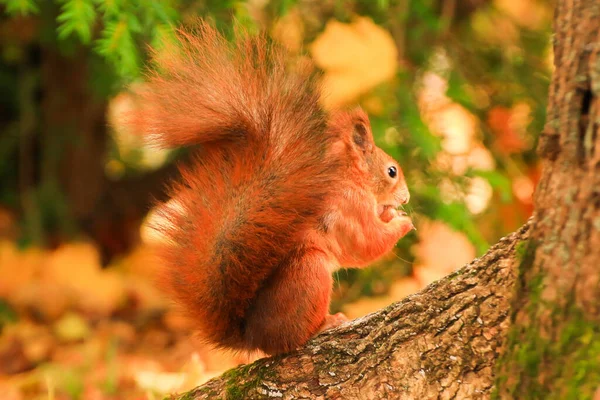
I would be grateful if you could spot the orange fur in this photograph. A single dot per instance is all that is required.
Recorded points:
(280, 194)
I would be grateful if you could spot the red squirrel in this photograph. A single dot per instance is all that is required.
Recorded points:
(281, 192)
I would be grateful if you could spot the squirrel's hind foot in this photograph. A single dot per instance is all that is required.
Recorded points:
(333, 321)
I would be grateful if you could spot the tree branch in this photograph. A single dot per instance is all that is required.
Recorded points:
(439, 343)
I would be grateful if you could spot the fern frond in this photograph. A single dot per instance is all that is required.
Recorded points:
(163, 12)
(162, 35)
(20, 7)
(76, 16)
(117, 45)
(110, 7)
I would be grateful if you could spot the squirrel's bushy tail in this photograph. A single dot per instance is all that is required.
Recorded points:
(259, 185)
(206, 89)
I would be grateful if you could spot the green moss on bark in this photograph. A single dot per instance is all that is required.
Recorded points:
(237, 388)
(536, 364)
(521, 249)
(237, 384)
(578, 349)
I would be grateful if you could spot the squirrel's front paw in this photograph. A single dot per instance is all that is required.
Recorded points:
(401, 223)
(388, 213)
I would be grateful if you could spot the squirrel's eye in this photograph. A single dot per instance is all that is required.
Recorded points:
(392, 172)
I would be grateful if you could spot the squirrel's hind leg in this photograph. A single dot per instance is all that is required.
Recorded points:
(292, 306)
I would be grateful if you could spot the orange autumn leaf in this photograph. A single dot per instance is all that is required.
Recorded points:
(356, 57)
(508, 139)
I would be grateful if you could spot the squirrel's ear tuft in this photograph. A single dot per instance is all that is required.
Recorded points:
(361, 137)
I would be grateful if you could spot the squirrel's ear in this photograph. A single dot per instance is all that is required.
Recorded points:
(361, 137)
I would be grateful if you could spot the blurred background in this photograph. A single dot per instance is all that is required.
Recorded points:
(456, 91)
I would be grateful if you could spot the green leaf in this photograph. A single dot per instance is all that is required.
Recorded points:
(427, 144)
(7, 314)
(383, 4)
(20, 7)
(243, 16)
(163, 12)
(456, 91)
(77, 16)
(285, 6)
(133, 23)
(455, 214)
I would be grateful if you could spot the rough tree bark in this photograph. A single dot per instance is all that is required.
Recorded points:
(534, 296)
(553, 348)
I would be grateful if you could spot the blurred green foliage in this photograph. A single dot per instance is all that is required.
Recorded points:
(485, 68)
(116, 29)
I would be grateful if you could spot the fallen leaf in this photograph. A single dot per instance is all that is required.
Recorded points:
(71, 327)
(48, 300)
(17, 267)
(162, 382)
(76, 267)
(38, 341)
(12, 356)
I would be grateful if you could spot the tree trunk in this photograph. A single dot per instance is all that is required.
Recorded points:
(61, 160)
(536, 294)
(553, 350)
